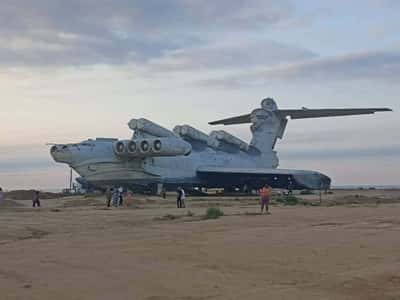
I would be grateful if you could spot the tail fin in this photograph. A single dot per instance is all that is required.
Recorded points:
(269, 122)
(267, 125)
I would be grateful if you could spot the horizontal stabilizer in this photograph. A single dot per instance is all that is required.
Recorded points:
(304, 114)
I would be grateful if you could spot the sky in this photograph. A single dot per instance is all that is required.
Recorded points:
(72, 70)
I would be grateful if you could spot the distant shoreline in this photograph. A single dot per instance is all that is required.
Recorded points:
(366, 186)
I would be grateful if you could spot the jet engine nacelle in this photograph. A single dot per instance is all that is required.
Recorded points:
(152, 147)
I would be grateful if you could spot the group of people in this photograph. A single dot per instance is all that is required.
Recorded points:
(116, 196)
(265, 195)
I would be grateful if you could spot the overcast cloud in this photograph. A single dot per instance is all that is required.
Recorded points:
(55, 32)
(366, 65)
(178, 35)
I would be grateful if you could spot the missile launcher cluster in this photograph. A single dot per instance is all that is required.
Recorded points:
(152, 140)
(216, 140)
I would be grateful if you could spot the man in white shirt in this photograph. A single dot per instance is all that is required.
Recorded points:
(180, 201)
(183, 196)
(121, 196)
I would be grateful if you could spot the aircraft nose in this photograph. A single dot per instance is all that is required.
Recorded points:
(61, 153)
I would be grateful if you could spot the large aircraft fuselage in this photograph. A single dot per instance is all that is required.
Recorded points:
(97, 163)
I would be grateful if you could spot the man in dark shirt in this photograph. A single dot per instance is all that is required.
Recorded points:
(2, 196)
(179, 198)
(36, 200)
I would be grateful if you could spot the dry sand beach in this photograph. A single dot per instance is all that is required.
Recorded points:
(74, 248)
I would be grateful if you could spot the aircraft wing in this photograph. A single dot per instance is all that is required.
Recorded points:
(305, 113)
(257, 177)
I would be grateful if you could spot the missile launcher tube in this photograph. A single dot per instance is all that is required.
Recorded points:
(150, 128)
(195, 134)
(226, 137)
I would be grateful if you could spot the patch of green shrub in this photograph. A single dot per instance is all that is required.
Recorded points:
(288, 200)
(306, 192)
(291, 200)
(213, 213)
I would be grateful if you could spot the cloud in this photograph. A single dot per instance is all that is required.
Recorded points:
(232, 54)
(56, 32)
(385, 3)
(380, 65)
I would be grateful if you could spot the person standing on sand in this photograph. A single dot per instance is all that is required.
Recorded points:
(265, 194)
(109, 196)
(2, 196)
(115, 197)
(36, 200)
(183, 197)
(179, 198)
(121, 196)
(164, 193)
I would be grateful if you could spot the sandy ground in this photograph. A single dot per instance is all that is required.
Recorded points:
(74, 248)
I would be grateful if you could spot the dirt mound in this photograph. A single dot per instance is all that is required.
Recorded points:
(9, 203)
(83, 202)
(28, 195)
